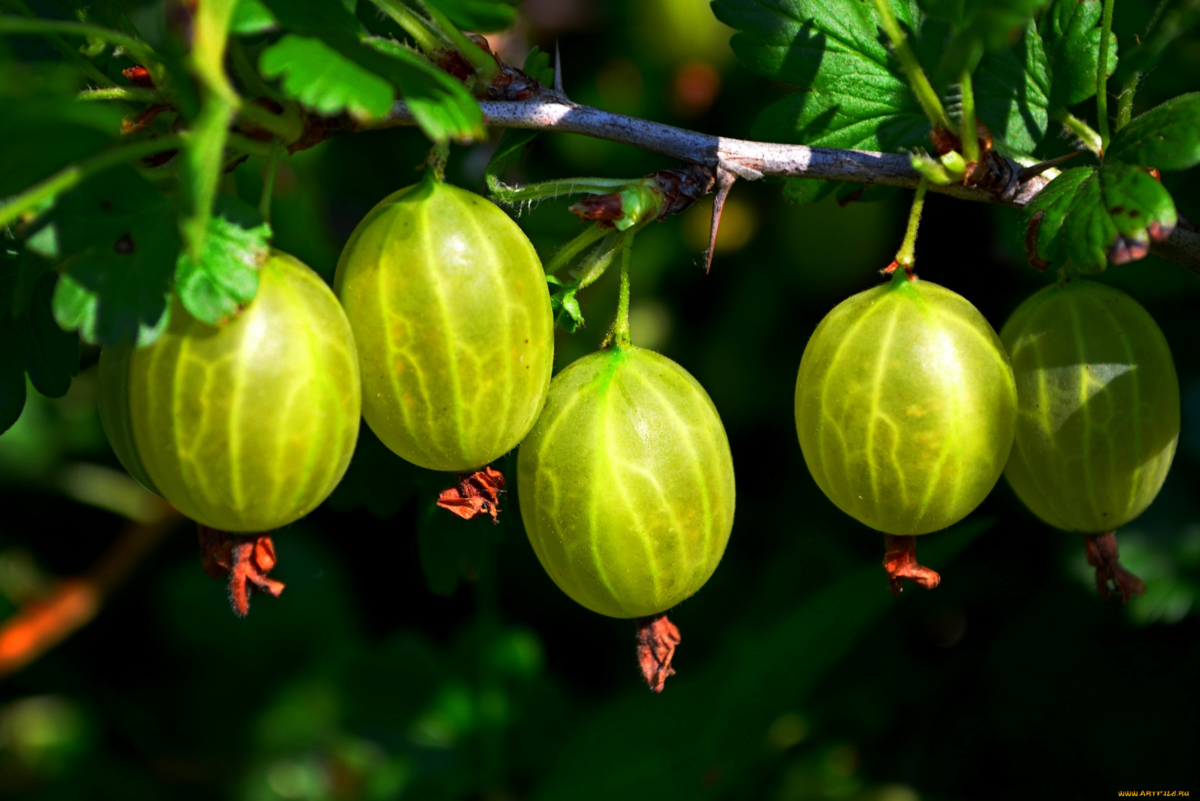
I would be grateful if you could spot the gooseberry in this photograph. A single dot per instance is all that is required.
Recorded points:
(905, 407)
(626, 483)
(448, 303)
(247, 427)
(1097, 413)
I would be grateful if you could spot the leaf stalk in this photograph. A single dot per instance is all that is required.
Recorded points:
(917, 80)
(1102, 75)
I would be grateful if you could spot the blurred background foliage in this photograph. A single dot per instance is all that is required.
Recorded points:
(417, 656)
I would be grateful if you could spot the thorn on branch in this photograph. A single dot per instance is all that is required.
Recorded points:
(558, 79)
(1039, 168)
(724, 182)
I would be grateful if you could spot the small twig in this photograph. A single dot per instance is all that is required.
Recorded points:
(73, 603)
(762, 158)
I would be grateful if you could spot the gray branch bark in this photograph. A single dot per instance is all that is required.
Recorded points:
(752, 160)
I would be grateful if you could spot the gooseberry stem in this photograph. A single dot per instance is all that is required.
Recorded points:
(969, 138)
(621, 326)
(906, 255)
(435, 162)
(1102, 75)
(576, 246)
(268, 190)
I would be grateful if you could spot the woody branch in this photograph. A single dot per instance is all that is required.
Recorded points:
(739, 158)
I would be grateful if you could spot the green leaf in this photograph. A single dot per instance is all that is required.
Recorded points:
(1166, 136)
(853, 93)
(39, 136)
(1052, 204)
(441, 105)
(51, 354)
(537, 66)
(12, 373)
(808, 190)
(322, 79)
(252, 17)
(324, 18)
(479, 15)
(31, 341)
(1012, 94)
(564, 306)
(1097, 216)
(977, 27)
(119, 236)
(1071, 32)
(225, 278)
(443, 108)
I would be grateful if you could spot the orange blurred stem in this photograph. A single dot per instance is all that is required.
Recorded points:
(245, 559)
(43, 623)
(900, 561)
(656, 640)
(1102, 554)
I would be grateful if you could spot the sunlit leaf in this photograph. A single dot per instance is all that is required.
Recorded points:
(1097, 216)
(1167, 136)
(852, 92)
(322, 79)
(225, 277)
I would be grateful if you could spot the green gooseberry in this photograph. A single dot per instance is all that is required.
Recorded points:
(626, 483)
(246, 427)
(1097, 406)
(905, 406)
(448, 303)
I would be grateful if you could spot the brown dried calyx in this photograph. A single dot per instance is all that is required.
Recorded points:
(475, 494)
(656, 640)
(900, 561)
(1102, 555)
(244, 558)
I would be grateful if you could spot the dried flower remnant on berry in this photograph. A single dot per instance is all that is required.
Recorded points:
(245, 559)
(1102, 554)
(475, 494)
(657, 638)
(900, 561)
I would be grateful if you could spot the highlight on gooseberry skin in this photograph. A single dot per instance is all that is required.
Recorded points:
(243, 428)
(905, 411)
(1098, 416)
(448, 303)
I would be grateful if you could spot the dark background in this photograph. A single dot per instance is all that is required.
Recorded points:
(419, 657)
